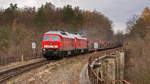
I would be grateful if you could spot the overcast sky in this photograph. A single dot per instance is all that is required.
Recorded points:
(119, 11)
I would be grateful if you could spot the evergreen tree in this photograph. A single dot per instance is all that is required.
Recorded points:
(11, 12)
(40, 18)
(68, 14)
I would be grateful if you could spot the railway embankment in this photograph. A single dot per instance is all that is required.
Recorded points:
(95, 68)
(63, 71)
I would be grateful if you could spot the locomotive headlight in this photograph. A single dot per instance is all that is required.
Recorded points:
(44, 49)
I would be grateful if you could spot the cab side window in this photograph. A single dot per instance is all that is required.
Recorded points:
(55, 38)
(46, 38)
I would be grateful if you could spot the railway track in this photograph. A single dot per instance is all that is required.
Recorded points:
(9, 73)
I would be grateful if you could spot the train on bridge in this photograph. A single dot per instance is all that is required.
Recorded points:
(59, 44)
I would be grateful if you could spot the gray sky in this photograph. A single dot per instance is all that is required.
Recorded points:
(119, 11)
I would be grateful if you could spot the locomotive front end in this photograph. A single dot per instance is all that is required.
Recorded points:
(50, 44)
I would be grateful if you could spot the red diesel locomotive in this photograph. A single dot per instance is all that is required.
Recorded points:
(59, 44)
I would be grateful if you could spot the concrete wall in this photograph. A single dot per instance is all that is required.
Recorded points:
(111, 68)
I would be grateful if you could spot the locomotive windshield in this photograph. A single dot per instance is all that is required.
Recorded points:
(51, 38)
(54, 38)
(46, 38)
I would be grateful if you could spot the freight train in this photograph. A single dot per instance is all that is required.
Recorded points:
(57, 44)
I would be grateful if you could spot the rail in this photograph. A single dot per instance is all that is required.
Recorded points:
(8, 73)
(95, 78)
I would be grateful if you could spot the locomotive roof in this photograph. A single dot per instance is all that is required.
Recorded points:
(66, 34)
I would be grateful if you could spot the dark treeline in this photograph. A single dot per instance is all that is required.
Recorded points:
(49, 17)
(138, 38)
(19, 27)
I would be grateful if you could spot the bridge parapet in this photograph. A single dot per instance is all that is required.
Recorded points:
(108, 68)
